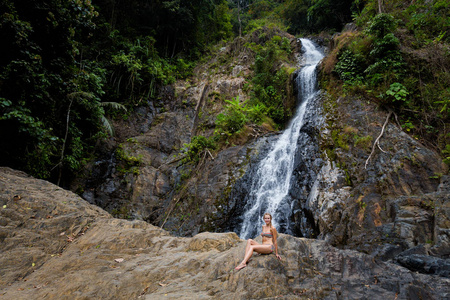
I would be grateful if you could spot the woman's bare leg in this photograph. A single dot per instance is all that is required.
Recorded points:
(250, 242)
(264, 249)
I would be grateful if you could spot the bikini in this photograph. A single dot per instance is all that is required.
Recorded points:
(268, 235)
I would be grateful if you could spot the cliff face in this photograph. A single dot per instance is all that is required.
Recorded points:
(140, 174)
(380, 199)
(55, 245)
(390, 205)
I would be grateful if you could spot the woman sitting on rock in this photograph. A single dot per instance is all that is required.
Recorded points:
(269, 242)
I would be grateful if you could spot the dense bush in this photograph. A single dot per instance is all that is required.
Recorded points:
(270, 79)
(65, 63)
(401, 63)
(42, 127)
(199, 145)
(233, 119)
(378, 64)
(350, 66)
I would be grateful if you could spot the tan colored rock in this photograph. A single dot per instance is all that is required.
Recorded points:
(207, 242)
(99, 257)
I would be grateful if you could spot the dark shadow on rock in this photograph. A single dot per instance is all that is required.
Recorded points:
(425, 264)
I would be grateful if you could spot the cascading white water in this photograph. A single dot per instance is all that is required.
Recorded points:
(270, 185)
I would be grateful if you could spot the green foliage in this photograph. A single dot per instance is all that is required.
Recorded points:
(408, 125)
(350, 66)
(286, 45)
(363, 142)
(429, 21)
(306, 16)
(257, 24)
(127, 162)
(267, 103)
(217, 25)
(178, 26)
(37, 145)
(261, 9)
(136, 70)
(53, 49)
(399, 60)
(444, 102)
(375, 60)
(237, 115)
(38, 69)
(381, 25)
(386, 60)
(341, 139)
(73, 159)
(257, 113)
(446, 153)
(269, 83)
(295, 14)
(198, 146)
(329, 14)
(234, 118)
(398, 92)
(104, 121)
(386, 47)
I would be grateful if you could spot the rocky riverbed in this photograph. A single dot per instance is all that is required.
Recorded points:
(55, 245)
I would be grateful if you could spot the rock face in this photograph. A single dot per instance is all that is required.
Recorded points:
(395, 201)
(393, 207)
(55, 245)
(386, 206)
(141, 175)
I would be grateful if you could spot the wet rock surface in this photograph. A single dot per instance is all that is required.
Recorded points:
(99, 257)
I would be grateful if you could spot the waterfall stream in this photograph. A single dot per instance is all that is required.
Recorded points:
(271, 183)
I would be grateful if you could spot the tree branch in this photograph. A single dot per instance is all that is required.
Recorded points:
(210, 154)
(65, 139)
(377, 141)
(171, 209)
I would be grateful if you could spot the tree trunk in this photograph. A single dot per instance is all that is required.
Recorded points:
(380, 6)
(239, 17)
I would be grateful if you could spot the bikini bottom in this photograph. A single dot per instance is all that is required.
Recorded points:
(273, 249)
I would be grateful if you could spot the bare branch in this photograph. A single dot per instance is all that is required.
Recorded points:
(396, 120)
(379, 147)
(168, 214)
(71, 97)
(377, 141)
(210, 154)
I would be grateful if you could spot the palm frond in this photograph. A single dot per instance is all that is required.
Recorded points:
(107, 125)
(113, 105)
(77, 95)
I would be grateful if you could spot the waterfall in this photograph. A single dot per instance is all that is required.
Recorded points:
(270, 185)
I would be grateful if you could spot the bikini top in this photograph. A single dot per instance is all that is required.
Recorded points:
(265, 234)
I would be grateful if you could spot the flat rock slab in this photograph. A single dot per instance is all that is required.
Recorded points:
(57, 246)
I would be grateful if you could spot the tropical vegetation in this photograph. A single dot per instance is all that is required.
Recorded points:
(69, 66)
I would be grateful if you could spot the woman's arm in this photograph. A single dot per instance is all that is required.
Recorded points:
(274, 239)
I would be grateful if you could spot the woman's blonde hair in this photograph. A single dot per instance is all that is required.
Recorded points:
(270, 224)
